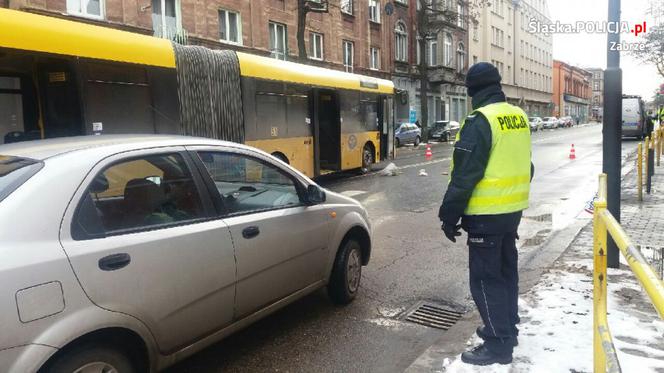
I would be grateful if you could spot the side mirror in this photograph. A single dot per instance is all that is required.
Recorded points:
(315, 195)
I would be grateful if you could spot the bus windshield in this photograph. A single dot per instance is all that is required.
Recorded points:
(14, 171)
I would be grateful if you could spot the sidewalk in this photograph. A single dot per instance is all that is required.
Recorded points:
(556, 314)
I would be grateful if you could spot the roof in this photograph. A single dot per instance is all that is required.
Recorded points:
(27, 31)
(43, 149)
(268, 68)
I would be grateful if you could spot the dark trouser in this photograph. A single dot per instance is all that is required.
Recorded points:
(494, 284)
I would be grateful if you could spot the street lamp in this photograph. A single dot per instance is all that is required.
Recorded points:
(612, 128)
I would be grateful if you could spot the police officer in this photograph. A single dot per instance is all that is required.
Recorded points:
(488, 189)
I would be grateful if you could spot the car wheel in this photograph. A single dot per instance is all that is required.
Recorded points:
(367, 160)
(92, 359)
(417, 141)
(445, 137)
(346, 273)
(397, 143)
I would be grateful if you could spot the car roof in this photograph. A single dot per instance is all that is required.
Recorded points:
(43, 149)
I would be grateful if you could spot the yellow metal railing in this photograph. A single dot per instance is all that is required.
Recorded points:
(654, 143)
(605, 357)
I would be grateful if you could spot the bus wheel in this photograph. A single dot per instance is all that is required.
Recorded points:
(367, 159)
(280, 156)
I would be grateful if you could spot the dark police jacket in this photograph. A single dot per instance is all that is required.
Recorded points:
(469, 170)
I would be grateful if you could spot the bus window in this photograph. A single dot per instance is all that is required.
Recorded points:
(369, 104)
(351, 112)
(11, 106)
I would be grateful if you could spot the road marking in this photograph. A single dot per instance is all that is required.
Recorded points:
(353, 193)
(424, 163)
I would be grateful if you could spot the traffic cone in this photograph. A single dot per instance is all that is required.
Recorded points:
(428, 154)
(572, 153)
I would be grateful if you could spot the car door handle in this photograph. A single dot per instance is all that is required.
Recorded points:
(114, 262)
(250, 232)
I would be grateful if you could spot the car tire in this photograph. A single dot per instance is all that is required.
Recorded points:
(346, 273)
(417, 141)
(367, 160)
(90, 356)
(397, 143)
(445, 137)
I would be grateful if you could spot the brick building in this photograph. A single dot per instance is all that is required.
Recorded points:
(571, 91)
(351, 36)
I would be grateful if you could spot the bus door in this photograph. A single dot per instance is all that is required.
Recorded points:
(327, 132)
(59, 97)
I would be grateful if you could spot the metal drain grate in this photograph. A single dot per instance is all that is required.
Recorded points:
(433, 316)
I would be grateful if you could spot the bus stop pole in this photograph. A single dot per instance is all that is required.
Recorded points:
(612, 127)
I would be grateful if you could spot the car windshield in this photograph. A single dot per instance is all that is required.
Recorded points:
(14, 171)
(549, 118)
(532, 118)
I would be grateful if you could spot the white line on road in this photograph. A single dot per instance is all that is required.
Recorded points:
(353, 193)
(424, 163)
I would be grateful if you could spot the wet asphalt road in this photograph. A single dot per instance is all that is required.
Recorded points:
(411, 262)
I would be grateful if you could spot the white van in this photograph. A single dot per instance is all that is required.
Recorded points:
(634, 123)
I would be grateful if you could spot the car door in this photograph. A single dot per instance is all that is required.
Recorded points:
(143, 239)
(281, 243)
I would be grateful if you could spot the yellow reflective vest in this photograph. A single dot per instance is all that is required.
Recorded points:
(505, 186)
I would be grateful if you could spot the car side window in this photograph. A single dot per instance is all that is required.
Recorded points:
(246, 184)
(137, 193)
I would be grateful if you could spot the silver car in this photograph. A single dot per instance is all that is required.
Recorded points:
(130, 253)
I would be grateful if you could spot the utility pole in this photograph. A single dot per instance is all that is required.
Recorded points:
(612, 127)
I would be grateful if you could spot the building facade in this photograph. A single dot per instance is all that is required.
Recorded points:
(445, 55)
(571, 91)
(597, 102)
(501, 35)
(353, 35)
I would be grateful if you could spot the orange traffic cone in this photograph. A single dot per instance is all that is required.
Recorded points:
(572, 153)
(428, 154)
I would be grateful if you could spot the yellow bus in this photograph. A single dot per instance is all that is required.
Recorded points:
(65, 78)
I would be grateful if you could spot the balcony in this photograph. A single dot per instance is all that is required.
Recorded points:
(177, 35)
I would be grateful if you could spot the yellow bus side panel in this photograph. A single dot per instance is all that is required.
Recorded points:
(298, 150)
(352, 145)
(32, 32)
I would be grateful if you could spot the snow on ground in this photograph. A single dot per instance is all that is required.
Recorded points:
(556, 324)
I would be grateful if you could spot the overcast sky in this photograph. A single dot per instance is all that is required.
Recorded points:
(589, 50)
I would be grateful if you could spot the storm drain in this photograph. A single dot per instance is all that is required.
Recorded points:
(433, 316)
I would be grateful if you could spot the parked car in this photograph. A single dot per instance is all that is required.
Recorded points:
(567, 121)
(550, 123)
(129, 253)
(407, 133)
(454, 128)
(634, 121)
(535, 124)
(439, 130)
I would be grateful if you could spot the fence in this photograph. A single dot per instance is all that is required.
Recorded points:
(605, 357)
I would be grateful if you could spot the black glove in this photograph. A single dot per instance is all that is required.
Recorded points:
(451, 231)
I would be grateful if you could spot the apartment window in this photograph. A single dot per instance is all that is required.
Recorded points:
(277, 41)
(474, 60)
(230, 27)
(347, 6)
(509, 15)
(476, 32)
(316, 46)
(509, 74)
(374, 11)
(374, 55)
(86, 8)
(401, 42)
(521, 48)
(166, 18)
(447, 50)
(348, 55)
(433, 52)
(461, 22)
(461, 57)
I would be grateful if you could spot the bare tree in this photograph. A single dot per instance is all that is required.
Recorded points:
(304, 7)
(433, 16)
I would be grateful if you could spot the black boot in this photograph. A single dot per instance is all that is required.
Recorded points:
(483, 334)
(481, 355)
